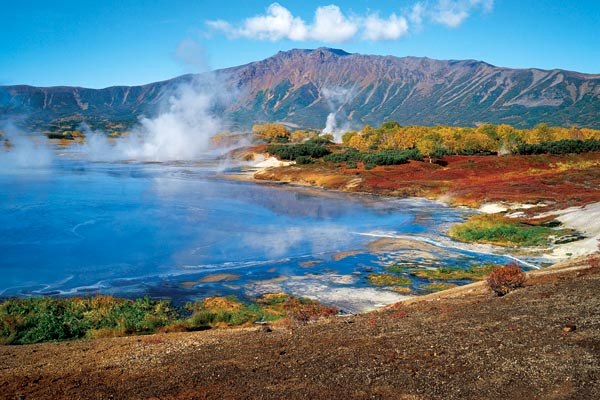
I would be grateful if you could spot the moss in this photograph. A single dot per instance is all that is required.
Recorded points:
(474, 273)
(399, 268)
(388, 280)
(502, 231)
(437, 287)
(402, 289)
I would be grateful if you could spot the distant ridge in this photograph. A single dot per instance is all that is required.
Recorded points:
(301, 87)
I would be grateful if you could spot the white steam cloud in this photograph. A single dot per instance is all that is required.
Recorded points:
(19, 150)
(336, 98)
(181, 131)
(331, 25)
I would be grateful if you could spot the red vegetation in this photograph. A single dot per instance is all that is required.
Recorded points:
(506, 279)
(558, 181)
(303, 311)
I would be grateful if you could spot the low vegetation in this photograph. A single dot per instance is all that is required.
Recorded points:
(451, 273)
(34, 320)
(502, 231)
(506, 279)
(437, 287)
(304, 151)
(371, 159)
(44, 319)
(436, 141)
(388, 280)
(565, 146)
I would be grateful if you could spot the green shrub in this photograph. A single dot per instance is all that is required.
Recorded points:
(45, 319)
(560, 147)
(293, 151)
(501, 231)
(302, 160)
(372, 159)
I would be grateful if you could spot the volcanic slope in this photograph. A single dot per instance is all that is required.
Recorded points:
(302, 87)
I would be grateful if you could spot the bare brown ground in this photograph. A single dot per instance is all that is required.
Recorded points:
(541, 341)
(559, 181)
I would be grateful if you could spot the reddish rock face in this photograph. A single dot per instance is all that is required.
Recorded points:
(295, 87)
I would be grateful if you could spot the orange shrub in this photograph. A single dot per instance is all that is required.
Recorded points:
(506, 279)
(304, 310)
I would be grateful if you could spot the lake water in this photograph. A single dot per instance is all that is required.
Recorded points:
(166, 230)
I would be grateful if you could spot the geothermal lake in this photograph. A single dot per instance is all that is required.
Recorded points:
(181, 231)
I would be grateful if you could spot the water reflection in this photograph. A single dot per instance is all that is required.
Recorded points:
(129, 229)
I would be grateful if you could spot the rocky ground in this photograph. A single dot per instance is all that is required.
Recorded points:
(541, 341)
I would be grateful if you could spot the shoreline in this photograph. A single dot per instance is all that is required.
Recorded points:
(447, 344)
(584, 219)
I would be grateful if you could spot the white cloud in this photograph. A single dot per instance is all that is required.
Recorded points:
(417, 13)
(376, 28)
(331, 25)
(277, 24)
(453, 13)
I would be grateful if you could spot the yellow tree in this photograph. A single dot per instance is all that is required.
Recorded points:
(271, 132)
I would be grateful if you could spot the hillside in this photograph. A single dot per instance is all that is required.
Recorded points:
(541, 341)
(301, 87)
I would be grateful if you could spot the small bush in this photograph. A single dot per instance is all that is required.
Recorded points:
(502, 231)
(565, 146)
(388, 280)
(506, 279)
(372, 159)
(305, 310)
(302, 160)
(293, 151)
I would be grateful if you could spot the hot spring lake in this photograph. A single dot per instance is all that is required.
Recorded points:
(182, 232)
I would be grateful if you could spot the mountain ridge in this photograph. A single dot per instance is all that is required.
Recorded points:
(302, 87)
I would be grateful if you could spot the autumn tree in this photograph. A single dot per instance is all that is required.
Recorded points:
(271, 133)
(430, 146)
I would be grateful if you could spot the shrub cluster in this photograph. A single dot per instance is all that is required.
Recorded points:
(371, 159)
(294, 151)
(44, 319)
(506, 279)
(560, 147)
(306, 310)
(502, 231)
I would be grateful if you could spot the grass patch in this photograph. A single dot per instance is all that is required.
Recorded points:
(388, 280)
(399, 268)
(34, 320)
(502, 231)
(45, 319)
(437, 287)
(473, 273)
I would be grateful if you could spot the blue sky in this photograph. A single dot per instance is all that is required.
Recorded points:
(125, 42)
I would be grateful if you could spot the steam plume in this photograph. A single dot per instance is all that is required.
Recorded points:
(336, 98)
(19, 150)
(181, 131)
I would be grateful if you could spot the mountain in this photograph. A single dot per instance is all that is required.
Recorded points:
(302, 87)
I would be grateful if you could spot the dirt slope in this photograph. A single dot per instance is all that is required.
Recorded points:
(462, 344)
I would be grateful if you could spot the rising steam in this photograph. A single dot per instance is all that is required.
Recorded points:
(336, 99)
(19, 150)
(181, 131)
